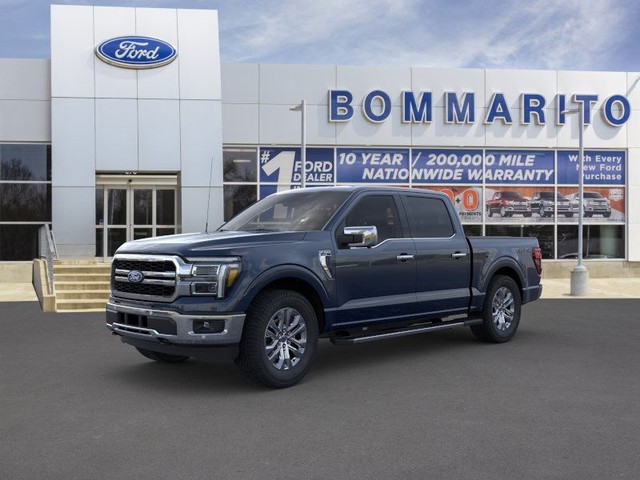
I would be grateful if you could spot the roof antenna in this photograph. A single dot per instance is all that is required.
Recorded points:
(206, 223)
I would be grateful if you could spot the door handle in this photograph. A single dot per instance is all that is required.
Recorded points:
(403, 257)
(458, 255)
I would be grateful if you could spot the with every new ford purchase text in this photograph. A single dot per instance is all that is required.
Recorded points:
(352, 264)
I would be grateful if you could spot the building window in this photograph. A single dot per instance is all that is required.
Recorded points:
(25, 199)
(240, 176)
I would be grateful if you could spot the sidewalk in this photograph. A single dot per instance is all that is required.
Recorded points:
(552, 288)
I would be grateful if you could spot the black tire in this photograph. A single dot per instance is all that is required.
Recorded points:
(161, 357)
(606, 215)
(489, 212)
(568, 215)
(491, 329)
(527, 214)
(269, 311)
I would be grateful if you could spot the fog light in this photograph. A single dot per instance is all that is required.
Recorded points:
(208, 326)
(204, 288)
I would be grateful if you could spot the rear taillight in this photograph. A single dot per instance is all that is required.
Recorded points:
(537, 259)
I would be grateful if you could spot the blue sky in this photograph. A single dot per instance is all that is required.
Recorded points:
(533, 34)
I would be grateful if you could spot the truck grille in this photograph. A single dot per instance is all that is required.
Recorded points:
(158, 277)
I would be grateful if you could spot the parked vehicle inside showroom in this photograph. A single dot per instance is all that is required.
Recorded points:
(594, 204)
(508, 203)
(545, 203)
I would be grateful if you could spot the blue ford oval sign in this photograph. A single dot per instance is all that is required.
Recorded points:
(136, 52)
(135, 276)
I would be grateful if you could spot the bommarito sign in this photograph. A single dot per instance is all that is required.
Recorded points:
(459, 108)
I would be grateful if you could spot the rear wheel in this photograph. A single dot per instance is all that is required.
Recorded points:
(279, 339)
(161, 357)
(501, 311)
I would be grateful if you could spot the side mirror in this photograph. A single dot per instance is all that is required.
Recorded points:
(359, 236)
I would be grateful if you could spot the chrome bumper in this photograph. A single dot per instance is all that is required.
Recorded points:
(230, 335)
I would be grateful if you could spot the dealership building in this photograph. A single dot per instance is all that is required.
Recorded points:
(133, 129)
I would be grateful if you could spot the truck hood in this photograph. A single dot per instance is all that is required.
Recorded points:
(206, 244)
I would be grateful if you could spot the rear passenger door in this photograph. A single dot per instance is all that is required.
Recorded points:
(443, 257)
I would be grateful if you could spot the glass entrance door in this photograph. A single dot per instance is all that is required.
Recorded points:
(132, 212)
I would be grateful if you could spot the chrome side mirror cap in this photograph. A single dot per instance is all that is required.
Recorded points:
(366, 236)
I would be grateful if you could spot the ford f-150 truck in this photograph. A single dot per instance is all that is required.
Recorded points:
(352, 264)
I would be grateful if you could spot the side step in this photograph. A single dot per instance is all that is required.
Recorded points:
(403, 332)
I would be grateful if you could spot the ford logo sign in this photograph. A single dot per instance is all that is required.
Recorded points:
(136, 52)
(135, 276)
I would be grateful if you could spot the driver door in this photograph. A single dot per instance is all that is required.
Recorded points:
(379, 282)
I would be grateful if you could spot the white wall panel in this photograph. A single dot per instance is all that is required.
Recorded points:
(201, 142)
(278, 124)
(633, 89)
(634, 242)
(360, 131)
(25, 79)
(603, 84)
(500, 135)
(116, 134)
(25, 121)
(362, 80)
(72, 56)
(633, 167)
(439, 133)
(239, 123)
(290, 84)
(162, 82)
(73, 216)
(199, 54)
(194, 208)
(597, 135)
(512, 83)
(73, 142)
(441, 80)
(159, 135)
(319, 130)
(240, 83)
(114, 82)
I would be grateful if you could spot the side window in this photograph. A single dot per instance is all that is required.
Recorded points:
(378, 210)
(428, 218)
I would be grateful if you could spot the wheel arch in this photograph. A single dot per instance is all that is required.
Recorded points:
(293, 278)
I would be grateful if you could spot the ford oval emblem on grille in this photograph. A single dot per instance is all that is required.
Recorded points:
(136, 52)
(135, 276)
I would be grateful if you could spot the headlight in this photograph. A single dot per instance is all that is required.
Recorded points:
(213, 276)
(510, 202)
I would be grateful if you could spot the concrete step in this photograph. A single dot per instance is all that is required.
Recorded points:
(64, 285)
(79, 262)
(83, 294)
(76, 305)
(81, 277)
(102, 268)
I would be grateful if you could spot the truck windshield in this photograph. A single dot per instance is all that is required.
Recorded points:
(299, 211)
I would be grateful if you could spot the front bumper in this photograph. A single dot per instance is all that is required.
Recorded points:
(167, 327)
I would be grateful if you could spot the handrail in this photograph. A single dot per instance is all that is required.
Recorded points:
(48, 250)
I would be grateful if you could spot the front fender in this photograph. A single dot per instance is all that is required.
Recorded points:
(281, 272)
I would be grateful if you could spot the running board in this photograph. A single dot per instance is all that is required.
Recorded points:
(402, 332)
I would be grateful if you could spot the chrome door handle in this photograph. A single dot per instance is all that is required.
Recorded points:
(404, 257)
(458, 255)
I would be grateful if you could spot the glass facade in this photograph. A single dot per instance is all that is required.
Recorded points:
(25, 198)
(516, 192)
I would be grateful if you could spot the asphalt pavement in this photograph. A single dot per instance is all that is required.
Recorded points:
(560, 401)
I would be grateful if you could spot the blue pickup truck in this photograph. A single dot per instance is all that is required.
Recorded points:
(352, 264)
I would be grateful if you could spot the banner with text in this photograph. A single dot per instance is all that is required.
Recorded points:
(601, 167)
(446, 166)
(368, 165)
(283, 166)
(533, 167)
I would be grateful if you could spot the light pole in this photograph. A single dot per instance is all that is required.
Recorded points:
(302, 107)
(580, 274)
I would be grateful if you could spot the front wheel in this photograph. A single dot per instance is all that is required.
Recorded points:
(501, 311)
(279, 339)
